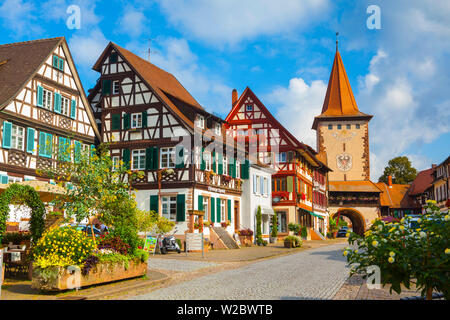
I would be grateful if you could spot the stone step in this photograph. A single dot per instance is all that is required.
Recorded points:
(226, 238)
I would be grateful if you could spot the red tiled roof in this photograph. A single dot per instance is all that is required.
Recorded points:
(422, 182)
(395, 197)
(354, 186)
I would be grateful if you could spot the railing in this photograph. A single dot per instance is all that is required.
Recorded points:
(216, 180)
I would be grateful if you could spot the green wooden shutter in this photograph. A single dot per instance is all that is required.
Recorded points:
(30, 140)
(48, 145)
(290, 184)
(154, 205)
(232, 168)
(179, 157)
(220, 168)
(4, 179)
(213, 210)
(126, 121)
(218, 209)
(214, 162)
(73, 109)
(181, 208)
(245, 170)
(55, 61)
(42, 144)
(155, 158)
(61, 64)
(106, 87)
(203, 163)
(229, 209)
(40, 96)
(126, 158)
(115, 121)
(77, 151)
(57, 103)
(144, 119)
(200, 202)
(148, 159)
(7, 128)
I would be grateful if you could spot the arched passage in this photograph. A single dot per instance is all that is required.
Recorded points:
(22, 194)
(355, 217)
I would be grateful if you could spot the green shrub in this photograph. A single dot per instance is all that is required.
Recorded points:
(296, 241)
(295, 227)
(142, 255)
(274, 232)
(179, 242)
(304, 232)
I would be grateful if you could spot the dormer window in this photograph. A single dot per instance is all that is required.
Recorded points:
(249, 107)
(201, 121)
(218, 129)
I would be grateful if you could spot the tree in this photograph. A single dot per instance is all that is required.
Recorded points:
(259, 238)
(400, 169)
(274, 226)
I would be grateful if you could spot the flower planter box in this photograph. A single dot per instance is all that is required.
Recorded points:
(289, 244)
(58, 278)
(246, 241)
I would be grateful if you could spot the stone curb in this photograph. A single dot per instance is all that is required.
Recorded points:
(153, 283)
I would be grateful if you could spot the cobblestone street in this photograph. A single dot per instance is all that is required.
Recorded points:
(313, 274)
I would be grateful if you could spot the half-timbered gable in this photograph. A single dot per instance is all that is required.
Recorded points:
(42, 107)
(294, 184)
(145, 113)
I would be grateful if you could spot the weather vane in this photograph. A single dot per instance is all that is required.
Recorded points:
(337, 34)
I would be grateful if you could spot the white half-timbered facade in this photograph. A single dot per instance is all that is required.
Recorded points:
(43, 108)
(153, 124)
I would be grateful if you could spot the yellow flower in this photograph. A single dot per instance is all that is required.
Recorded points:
(392, 254)
(345, 253)
(375, 243)
(391, 229)
(391, 260)
(447, 251)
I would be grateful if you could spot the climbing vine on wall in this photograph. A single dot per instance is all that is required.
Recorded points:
(22, 194)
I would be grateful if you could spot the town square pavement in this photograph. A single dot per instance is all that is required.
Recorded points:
(312, 274)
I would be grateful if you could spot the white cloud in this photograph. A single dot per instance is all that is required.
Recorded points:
(298, 104)
(230, 21)
(175, 56)
(55, 10)
(132, 22)
(18, 16)
(86, 48)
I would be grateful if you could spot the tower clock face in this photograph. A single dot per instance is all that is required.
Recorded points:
(344, 161)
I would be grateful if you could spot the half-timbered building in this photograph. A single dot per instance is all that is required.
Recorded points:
(43, 108)
(299, 186)
(155, 125)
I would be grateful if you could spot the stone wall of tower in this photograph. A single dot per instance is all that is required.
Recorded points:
(347, 149)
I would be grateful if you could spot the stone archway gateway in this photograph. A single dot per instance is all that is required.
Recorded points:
(23, 194)
(357, 219)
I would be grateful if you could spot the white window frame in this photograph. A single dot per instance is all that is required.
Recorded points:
(255, 184)
(266, 186)
(47, 99)
(225, 165)
(247, 107)
(208, 161)
(167, 158)
(115, 163)
(140, 157)
(206, 208)
(116, 87)
(223, 208)
(280, 157)
(218, 129)
(238, 169)
(169, 207)
(14, 179)
(65, 106)
(17, 134)
(200, 121)
(136, 120)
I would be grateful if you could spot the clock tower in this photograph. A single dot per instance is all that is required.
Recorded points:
(342, 130)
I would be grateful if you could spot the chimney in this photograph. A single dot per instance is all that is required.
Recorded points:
(390, 181)
(234, 97)
(433, 166)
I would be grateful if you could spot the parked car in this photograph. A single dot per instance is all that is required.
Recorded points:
(342, 233)
(85, 229)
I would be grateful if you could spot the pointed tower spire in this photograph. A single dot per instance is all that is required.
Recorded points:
(339, 100)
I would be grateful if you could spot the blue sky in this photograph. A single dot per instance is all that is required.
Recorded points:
(282, 50)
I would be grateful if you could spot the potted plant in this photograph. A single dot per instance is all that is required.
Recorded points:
(292, 242)
(274, 233)
(294, 227)
(245, 237)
